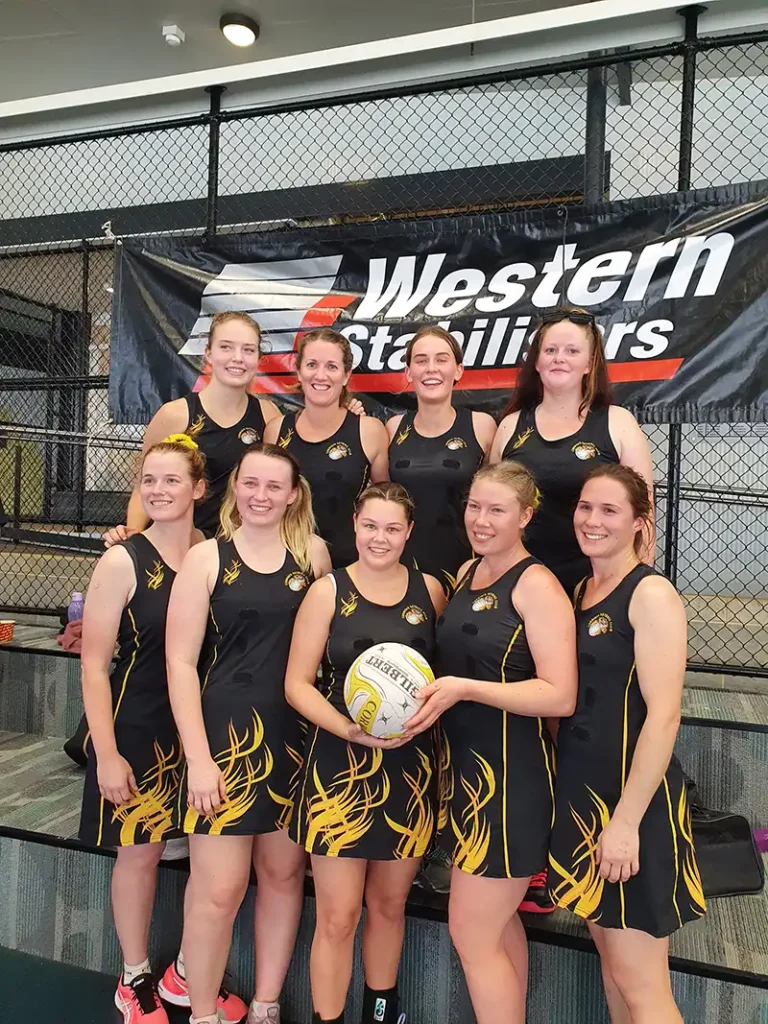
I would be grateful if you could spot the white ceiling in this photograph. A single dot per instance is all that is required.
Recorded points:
(51, 46)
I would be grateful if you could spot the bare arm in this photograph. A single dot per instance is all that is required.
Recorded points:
(503, 434)
(635, 452)
(110, 589)
(321, 560)
(375, 441)
(485, 431)
(392, 424)
(269, 411)
(310, 635)
(436, 593)
(658, 617)
(188, 611)
(551, 633)
(272, 430)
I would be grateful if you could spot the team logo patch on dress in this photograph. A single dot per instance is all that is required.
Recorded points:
(285, 439)
(585, 450)
(349, 605)
(403, 435)
(414, 615)
(248, 435)
(338, 450)
(485, 602)
(296, 581)
(455, 443)
(522, 439)
(380, 1009)
(194, 428)
(231, 573)
(600, 624)
(155, 576)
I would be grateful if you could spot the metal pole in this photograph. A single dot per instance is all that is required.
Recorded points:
(672, 533)
(81, 395)
(17, 487)
(688, 96)
(214, 129)
(594, 136)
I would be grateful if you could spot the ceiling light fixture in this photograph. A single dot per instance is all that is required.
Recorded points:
(173, 35)
(239, 29)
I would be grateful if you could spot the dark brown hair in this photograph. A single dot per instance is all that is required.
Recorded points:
(438, 332)
(335, 338)
(595, 386)
(636, 489)
(387, 491)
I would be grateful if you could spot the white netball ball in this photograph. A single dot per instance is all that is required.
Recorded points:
(381, 685)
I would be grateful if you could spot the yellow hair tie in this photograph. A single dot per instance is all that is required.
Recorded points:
(183, 439)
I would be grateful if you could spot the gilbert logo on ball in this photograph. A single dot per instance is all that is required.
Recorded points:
(381, 686)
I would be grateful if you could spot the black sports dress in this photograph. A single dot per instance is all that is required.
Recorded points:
(222, 447)
(356, 801)
(253, 733)
(497, 784)
(144, 727)
(337, 470)
(560, 468)
(437, 472)
(595, 749)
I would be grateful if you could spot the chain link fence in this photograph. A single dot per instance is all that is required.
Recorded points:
(620, 126)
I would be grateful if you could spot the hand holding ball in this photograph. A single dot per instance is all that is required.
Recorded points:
(381, 685)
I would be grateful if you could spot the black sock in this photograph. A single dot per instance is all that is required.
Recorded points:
(380, 1006)
(317, 1019)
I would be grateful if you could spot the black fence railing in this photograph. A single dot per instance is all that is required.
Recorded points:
(691, 114)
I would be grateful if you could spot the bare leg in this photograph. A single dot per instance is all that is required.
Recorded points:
(639, 967)
(339, 884)
(219, 870)
(387, 885)
(516, 945)
(133, 895)
(617, 1008)
(280, 867)
(480, 915)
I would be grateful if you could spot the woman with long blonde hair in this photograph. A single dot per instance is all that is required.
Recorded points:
(232, 612)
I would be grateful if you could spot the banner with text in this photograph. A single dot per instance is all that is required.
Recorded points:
(678, 284)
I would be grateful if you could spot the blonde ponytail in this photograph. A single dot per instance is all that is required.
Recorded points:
(297, 526)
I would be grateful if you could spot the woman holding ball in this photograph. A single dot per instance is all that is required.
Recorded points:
(365, 807)
(508, 635)
(622, 855)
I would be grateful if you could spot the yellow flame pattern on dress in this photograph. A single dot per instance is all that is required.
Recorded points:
(417, 832)
(473, 833)
(522, 439)
(341, 815)
(287, 802)
(581, 888)
(445, 781)
(194, 428)
(155, 576)
(450, 582)
(150, 811)
(691, 875)
(285, 439)
(242, 774)
(403, 435)
(349, 604)
(231, 573)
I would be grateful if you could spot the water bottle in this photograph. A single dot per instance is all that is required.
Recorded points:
(75, 609)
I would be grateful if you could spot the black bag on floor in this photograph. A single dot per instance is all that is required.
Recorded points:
(75, 747)
(729, 861)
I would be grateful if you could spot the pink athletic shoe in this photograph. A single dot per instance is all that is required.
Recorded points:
(173, 989)
(138, 1001)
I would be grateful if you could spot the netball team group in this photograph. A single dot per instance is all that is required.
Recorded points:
(262, 553)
